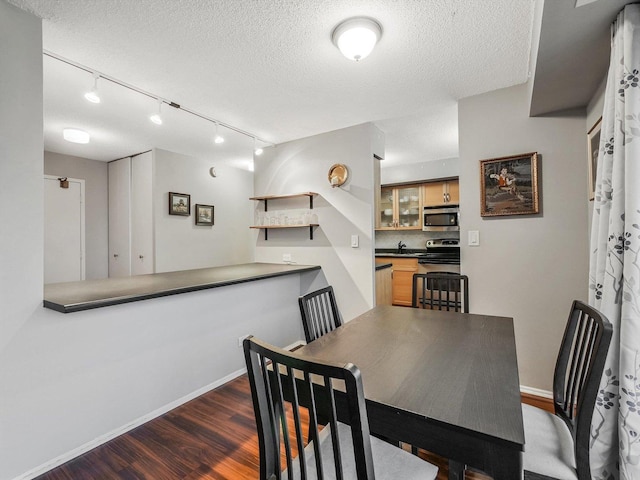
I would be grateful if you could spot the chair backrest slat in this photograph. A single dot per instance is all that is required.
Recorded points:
(276, 376)
(579, 367)
(440, 291)
(319, 312)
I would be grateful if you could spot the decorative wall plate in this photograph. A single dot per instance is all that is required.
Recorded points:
(338, 174)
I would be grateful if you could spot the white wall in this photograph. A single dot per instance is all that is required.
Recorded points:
(180, 243)
(70, 381)
(415, 172)
(301, 166)
(94, 174)
(528, 268)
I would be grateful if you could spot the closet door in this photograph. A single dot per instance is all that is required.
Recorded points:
(120, 218)
(142, 242)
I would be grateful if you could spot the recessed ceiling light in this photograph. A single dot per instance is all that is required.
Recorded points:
(356, 37)
(75, 135)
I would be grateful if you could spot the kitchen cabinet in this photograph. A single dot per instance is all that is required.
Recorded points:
(131, 249)
(402, 281)
(441, 193)
(384, 289)
(400, 208)
(306, 221)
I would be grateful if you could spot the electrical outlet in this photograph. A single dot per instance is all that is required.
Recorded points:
(241, 339)
(286, 257)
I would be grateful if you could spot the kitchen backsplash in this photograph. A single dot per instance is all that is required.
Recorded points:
(411, 238)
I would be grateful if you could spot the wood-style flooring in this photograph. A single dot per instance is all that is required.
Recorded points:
(211, 437)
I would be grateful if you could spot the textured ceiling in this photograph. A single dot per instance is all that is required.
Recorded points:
(269, 67)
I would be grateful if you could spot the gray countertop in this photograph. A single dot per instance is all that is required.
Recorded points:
(382, 266)
(77, 296)
(393, 252)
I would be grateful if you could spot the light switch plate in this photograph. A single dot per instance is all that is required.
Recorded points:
(474, 238)
(354, 241)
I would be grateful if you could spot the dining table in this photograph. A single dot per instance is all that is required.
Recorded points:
(445, 382)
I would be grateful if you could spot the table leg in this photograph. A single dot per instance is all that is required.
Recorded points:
(456, 470)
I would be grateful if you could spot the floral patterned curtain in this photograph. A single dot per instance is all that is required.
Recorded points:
(614, 272)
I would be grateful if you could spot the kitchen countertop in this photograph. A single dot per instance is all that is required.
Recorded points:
(77, 296)
(407, 252)
(382, 266)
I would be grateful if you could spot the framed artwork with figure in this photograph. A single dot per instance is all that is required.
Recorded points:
(593, 146)
(509, 185)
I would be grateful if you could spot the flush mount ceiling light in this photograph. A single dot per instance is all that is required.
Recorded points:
(75, 135)
(93, 96)
(356, 37)
(156, 117)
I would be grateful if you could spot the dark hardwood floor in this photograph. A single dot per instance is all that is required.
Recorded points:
(211, 437)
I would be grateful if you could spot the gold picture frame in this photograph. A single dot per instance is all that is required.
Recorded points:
(509, 185)
(593, 147)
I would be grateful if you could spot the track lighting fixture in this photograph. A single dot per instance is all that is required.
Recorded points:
(157, 117)
(256, 150)
(92, 95)
(218, 138)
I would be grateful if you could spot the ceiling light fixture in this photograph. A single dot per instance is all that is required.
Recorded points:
(111, 79)
(93, 96)
(156, 117)
(218, 138)
(257, 150)
(356, 37)
(75, 135)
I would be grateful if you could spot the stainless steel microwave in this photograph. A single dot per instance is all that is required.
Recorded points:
(441, 219)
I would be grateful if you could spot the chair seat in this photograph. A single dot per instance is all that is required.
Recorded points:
(549, 445)
(390, 462)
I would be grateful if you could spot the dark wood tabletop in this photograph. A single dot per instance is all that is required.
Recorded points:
(444, 381)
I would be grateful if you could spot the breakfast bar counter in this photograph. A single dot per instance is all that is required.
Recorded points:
(77, 296)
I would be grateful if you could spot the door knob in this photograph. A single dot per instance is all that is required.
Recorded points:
(115, 255)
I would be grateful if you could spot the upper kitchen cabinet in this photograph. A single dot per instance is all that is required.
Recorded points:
(445, 192)
(399, 208)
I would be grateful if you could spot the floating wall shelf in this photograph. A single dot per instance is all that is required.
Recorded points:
(266, 198)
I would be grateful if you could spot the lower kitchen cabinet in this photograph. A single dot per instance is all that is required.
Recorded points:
(403, 270)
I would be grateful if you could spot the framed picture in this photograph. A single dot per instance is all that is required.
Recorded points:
(593, 146)
(179, 204)
(509, 185)
(204, 214)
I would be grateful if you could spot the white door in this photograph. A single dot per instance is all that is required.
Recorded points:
(64, 255)
(120, 218)
(142, 251)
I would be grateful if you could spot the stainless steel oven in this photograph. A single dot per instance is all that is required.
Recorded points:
(441, 219)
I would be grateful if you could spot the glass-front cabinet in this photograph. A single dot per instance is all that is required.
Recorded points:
(400, 207)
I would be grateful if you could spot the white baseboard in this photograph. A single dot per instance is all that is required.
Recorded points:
(76, 452)
(45, 467)
(536, 391)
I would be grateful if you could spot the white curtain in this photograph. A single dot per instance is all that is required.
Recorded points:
(614, 271)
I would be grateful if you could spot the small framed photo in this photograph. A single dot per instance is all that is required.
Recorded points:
(204, 215)
(593, 146)
(509, 185)
(179, 204)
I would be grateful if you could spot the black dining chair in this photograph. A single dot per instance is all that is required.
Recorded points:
(319, 312)
(557, 444)
(339, 450)
(440, 291)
